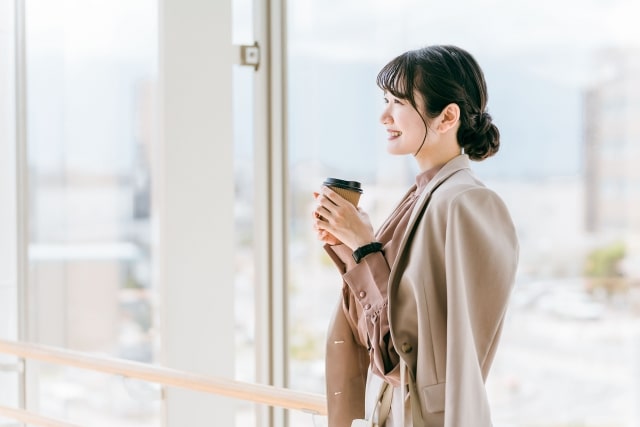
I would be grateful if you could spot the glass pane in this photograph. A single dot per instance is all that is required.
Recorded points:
(245, 309)
(9, 368)
(92, 71)
(79, 396)
(244, 166)
(564, 91)
(242, 25)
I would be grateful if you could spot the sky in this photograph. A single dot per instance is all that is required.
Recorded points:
(539, 59)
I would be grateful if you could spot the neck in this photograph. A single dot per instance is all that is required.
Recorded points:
(437, 158)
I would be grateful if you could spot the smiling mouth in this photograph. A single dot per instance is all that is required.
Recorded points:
(395, 133)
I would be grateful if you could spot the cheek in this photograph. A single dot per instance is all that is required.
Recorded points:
(416, 130)
(420, 128)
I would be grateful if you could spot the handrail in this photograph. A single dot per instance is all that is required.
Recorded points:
(27, 417)
(258, 393)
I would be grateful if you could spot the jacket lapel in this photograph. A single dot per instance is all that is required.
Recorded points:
(456, 164)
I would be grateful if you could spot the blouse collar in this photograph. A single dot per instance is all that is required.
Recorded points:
(423, 178)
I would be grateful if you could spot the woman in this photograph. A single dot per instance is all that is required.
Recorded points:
(424, 297)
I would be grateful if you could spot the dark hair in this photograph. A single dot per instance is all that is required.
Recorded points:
(443, 75)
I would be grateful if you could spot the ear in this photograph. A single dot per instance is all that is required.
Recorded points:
(449, 118)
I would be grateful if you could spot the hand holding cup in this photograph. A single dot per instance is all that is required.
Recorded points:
(335, 217)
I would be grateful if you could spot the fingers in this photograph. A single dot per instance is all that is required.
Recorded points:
(319, 222)
(323, 235)
(325, 203)
(329, 209)
(327, 237)
(322, 214)
(316, 226)
(331, 196)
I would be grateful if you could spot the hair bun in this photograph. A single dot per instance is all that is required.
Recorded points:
(482, 139)
(483, 122)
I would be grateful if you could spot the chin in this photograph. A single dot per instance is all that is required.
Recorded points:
(396, 151)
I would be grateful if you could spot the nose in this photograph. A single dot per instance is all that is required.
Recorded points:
(385, 117)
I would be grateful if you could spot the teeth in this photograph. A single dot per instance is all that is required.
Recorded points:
(395, 133)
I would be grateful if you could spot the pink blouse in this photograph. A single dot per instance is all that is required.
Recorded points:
(365, 284)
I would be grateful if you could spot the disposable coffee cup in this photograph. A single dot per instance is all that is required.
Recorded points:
(349, 190)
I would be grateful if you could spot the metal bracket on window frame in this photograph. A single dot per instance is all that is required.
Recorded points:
(250, 55)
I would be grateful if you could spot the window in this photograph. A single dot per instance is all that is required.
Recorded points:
(91, 80)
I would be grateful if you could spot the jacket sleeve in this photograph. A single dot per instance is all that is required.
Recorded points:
(481, 256)
(367, 290)
(346, 365)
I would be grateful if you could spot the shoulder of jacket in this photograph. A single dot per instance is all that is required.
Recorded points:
(463, 181)
(466, 194)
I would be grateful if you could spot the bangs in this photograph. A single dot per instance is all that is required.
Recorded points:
(397, 77)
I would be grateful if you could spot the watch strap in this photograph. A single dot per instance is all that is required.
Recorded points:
(365, 250)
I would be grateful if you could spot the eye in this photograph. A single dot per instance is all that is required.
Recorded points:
(397, 101)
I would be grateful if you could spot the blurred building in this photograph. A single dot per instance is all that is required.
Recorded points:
(612, 149)
(612, 142)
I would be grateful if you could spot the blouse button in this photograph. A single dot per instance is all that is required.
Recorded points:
(362, 294)
(367, 306)
(406, 347)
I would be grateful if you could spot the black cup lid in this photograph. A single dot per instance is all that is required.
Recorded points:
(340, 183)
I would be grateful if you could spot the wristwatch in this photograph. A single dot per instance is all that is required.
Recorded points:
(365, 250)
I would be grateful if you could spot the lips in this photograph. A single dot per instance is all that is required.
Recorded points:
(394, 133)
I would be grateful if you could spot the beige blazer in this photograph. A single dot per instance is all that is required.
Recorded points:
(448, 292)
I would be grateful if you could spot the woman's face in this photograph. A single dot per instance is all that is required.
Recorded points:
(405, 128)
